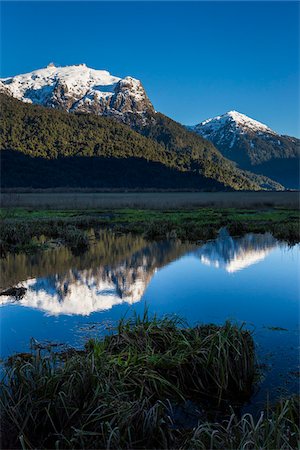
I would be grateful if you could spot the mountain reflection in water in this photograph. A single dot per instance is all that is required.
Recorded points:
(116, 270)
(233, 254)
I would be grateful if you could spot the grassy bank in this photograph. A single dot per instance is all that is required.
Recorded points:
(122, 391)
(30, 229)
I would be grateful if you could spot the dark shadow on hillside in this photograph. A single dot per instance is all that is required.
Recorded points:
(18, 170)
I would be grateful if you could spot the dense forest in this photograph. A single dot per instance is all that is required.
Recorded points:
(19, 170)
(48, 148)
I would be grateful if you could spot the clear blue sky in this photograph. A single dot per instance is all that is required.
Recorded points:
(195, 59)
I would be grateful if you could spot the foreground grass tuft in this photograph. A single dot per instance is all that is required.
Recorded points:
(121, 391)
(205, 362)
(277, 428)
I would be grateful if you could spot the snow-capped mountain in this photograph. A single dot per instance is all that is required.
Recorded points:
(82, 89)
(253, 146)
(238, 122)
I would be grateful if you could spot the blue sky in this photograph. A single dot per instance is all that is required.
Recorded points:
(195, 59)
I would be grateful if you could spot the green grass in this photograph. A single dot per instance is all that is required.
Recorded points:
(136, 214)
(29, 236)
(203, 362)
(277, 428)
(121, 392)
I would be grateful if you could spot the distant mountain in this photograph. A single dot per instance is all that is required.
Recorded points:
(88, 93)
(254, 146)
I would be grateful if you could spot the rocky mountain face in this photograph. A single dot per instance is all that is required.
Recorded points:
(81, 89)
(254, 146)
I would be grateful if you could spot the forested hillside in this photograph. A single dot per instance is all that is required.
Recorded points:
(47, 134)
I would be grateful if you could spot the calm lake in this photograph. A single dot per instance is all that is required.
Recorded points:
(253, 280)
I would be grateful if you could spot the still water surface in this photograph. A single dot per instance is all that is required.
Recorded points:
(252, 279)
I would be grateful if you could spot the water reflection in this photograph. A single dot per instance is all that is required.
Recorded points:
(116, 270)
(233, 254)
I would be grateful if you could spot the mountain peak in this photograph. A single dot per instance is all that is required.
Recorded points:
(247, 121)
(237, 121)
(82, 89)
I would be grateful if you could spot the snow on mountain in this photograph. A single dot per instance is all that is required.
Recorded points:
(234, 122)
(253, 146)
(80, 88)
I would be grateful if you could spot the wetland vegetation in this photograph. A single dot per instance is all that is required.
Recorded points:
(124, 391)
(32, 229)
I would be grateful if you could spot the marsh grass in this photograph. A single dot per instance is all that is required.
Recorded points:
(21, 229)
(211, 362)
(28, 236)
(277, 428)
(288, 232)
(187, 231)
(119, 392)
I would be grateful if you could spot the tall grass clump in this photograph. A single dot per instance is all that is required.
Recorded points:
(120, 391)
(206, 361)
(75, 404)
(277, 428)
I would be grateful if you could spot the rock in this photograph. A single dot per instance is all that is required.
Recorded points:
(17, 292)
